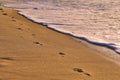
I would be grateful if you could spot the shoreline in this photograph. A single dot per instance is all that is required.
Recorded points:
(112, 56)
(109, 46)
(94, 45)
(32, 51)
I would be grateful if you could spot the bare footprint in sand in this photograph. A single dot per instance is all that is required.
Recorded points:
(62, 54)
(14, 20)
(87, 74)
(20, 29)
(81, 71)
(37, 43)
(33, 35)
(78, 70)
(5, 14)
(6, 58)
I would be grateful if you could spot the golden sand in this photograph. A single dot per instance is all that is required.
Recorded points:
(29, 51)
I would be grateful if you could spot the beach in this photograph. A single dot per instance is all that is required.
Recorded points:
(30, 51)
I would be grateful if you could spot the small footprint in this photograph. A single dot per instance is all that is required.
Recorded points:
(20, 29)
(14, 20)
(87, 74)
(81, 71)
(62, 54)
(33, 35)
(78, 69)
(5, 14)
(6, 58)
(37, 43)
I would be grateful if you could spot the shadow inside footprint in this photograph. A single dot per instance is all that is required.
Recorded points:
(6, 58)
(61, 53)
(78, 70)
(5, 14)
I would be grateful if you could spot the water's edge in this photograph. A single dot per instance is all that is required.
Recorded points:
(109, 46)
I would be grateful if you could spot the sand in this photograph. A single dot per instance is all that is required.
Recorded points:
(29, 51)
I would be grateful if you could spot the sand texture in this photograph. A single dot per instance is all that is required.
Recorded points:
(29, 51)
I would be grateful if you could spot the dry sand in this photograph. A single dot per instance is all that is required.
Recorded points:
(29, 51)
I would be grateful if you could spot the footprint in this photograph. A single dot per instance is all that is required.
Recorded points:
(37, 43)
(81, 71)
(20, 29)
(14, 20)
(87, 74)
(5, 14)
(78, 70)
(6, 58)
(62, 54)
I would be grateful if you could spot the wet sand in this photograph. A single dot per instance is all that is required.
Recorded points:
(30, 51)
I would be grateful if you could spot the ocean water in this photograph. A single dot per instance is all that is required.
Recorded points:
(96, 21)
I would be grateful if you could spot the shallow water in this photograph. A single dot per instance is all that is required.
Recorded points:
(98, 21)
